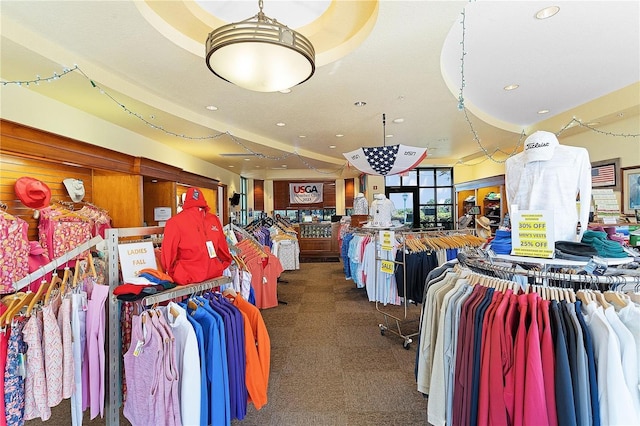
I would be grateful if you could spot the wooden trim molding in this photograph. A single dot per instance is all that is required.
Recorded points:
(20, 139)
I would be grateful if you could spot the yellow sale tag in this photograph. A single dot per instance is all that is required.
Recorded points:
(386, 266)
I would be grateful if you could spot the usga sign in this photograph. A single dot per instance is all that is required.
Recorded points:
(305, 193)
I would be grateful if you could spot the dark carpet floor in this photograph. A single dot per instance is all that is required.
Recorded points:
(330, 365)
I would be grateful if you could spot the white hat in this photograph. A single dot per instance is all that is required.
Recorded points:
(540, 146)
(75, 188)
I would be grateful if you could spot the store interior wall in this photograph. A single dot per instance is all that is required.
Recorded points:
(38, 111)
(41, 112)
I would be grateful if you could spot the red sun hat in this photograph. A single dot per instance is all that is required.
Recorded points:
(32, 193)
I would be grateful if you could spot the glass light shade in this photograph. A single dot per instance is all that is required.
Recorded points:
(260, 54)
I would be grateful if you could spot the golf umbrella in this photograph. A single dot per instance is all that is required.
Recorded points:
(386, 160)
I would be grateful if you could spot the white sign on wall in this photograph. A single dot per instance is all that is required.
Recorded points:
(305, 193)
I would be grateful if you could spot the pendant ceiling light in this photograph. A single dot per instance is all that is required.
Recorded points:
(260, 54)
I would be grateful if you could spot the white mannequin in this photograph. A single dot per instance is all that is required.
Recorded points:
(549, 176)
(360, 205)
(382, 209)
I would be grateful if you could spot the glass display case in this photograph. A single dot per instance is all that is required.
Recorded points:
(315, 230)
(318, 239)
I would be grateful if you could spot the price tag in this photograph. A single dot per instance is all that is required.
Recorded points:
(22, 365)
(211, 250)
(138, 350)
(596, 266)
(386, 266)
(387, 238)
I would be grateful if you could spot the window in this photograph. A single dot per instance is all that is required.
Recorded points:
(434, 187)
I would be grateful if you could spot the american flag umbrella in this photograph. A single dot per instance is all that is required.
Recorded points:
(386, 160)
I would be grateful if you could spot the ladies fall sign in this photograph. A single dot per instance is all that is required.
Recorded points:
(305, 193)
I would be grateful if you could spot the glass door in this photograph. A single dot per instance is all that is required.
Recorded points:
(406, 203)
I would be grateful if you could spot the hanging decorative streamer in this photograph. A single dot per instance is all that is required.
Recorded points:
(461, 107)
(56, 76)
(476, 138)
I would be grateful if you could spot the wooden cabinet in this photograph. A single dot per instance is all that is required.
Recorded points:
(128, 188)
(318, 240)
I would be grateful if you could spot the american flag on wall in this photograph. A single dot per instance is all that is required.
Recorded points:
(603, 175)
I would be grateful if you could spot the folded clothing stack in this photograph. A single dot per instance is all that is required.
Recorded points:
(501, 243)
(604, 246)
(159, 282)
(570, 250)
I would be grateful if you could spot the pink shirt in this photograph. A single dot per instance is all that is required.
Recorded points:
(547, 355)
(499, 364)
(535, 407)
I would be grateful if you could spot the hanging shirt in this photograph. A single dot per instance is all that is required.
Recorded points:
(550, 177)
(187, 361)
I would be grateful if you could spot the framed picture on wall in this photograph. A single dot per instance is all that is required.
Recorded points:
(630, 189)
(604, 174)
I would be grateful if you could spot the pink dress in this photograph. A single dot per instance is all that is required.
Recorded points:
(64, 323)
(52, 346)
(35, 383)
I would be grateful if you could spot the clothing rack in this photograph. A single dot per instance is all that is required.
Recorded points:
(402, 236)
(184, 290)
(617, 282)
(113, 392)
(55, 263)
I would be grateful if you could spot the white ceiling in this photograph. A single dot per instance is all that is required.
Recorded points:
(408, 67)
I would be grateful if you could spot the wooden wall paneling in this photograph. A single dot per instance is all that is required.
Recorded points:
(281, 195)
(158, 194)
(349, 193)
(192, 179)
(121, 195)
(224, 209)
(210, 195)
(154, 169)
(258, 195)
(21, 139)
(51, 173)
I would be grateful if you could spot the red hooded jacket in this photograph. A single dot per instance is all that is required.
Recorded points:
(185, 255)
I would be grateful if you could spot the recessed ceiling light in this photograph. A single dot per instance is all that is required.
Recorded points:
(339, 135)
(231, 167)
(543, 111)
(257, 167)
(285, 91)
(280, 124)
(284, 166)
(211, 108)
(302, 136)
(547, 12)
(388, 136)
(247, 159)
(332, 146)
(398, 120)
(360, 103)
(593, 123)
(511, 87)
